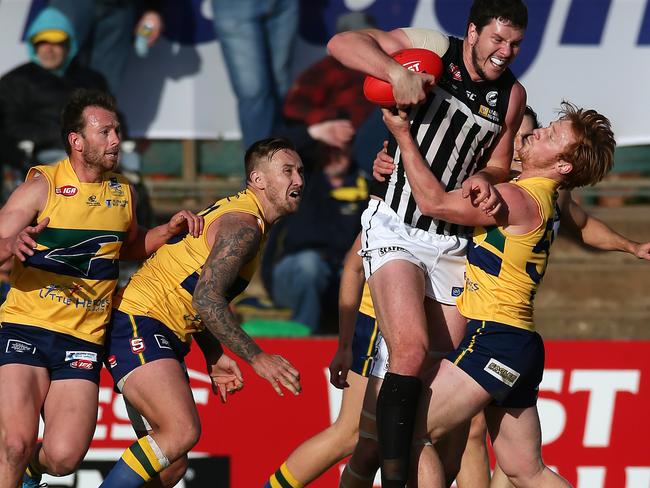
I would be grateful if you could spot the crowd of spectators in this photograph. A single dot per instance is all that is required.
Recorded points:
(85, 44)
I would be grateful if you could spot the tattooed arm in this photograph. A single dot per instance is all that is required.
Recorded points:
(235, 239)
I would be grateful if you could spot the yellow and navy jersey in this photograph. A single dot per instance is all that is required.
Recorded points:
(504, 270)
(366, 307)
(163, 286)
(67, 285)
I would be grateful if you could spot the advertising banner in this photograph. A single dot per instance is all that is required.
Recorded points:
(593, 407)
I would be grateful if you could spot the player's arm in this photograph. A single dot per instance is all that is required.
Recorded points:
(141, 242)
(430, 195)
(350, 291)
(236, 238)
(594, 232)
(17, 235)
(369, 51)
(480, 186)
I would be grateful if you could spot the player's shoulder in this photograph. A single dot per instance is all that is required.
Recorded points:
(430, 39)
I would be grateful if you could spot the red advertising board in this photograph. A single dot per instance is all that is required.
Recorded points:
(594, 403)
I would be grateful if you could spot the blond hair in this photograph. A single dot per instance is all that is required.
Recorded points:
(592, 154)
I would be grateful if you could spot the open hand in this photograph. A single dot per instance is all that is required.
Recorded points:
(186, 221)
(25, 242)
(277, 371)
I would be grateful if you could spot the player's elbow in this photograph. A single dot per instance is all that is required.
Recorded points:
(338, 42)
(200, 303)
(430, 208)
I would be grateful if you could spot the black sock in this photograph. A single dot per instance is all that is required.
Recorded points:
(396, 408)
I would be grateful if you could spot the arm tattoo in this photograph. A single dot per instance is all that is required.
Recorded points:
(236, 243)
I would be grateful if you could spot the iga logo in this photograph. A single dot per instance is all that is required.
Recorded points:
(81, 364)
(66, 191)
(112, 361)
(137, 345)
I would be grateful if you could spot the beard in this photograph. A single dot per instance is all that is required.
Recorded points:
(476, 65)
(96, 159)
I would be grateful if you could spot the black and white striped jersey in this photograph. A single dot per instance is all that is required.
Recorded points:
(455, 129)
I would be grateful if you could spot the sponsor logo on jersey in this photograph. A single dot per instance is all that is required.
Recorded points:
(163, 342)
(501, 372)
(456, 291)
(66, 191)
(115, 187)
(92, 201)
(470, 285)
(491, 98)
(112, 361)
(470, 95)
(22, 347)
(85, 355)
(488, 113)
(455, 73)
(192, 320)
(116, 203)
(82, 364)
(137, 345)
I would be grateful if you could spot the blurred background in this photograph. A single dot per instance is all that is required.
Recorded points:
(198, 80)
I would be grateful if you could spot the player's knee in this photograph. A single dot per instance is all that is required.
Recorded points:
(188, 435)
(63, 461)
(520, 471)
(17, 449)
(171, 475)
(408, 358)
(366, 456)
(345, 436)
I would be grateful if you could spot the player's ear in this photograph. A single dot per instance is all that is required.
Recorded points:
(472, 34)
(257, 179)
(74, 139)
(563, 167)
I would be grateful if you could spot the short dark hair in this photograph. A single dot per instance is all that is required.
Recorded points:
(512, 11)
(528, 111)
(265, 149)
(72, 116)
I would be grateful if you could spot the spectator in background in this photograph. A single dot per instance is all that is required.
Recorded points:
(326, 104)
(33, 94)
(105, 29)
(257, 39)
(307, 254)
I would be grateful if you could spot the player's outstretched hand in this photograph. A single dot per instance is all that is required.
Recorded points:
(25, 242)
(226, 377)
(339, 367)
(383, 164)
(642, 251)
(277, 371)
(482, 194)
(337, 132)
(185, 221)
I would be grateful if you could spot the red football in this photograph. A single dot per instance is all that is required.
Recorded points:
(416, 59)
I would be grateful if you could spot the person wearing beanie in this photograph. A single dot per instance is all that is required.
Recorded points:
(33, 94)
